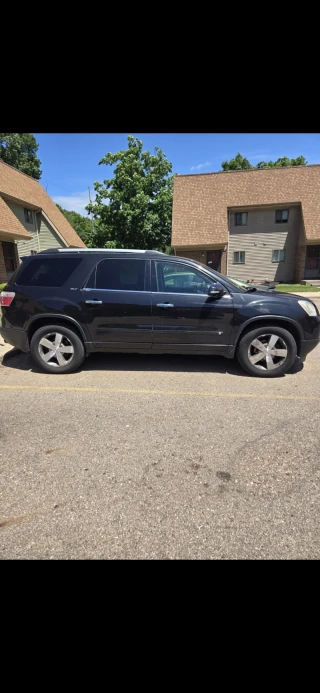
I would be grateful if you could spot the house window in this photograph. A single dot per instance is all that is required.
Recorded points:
(239, 257)
(28, 216)
(241, 218)
(278, 255)
(282, 216)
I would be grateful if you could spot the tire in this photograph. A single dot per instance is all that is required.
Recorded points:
(263, 359)
(67, 349)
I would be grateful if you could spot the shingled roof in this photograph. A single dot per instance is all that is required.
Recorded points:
(25, 189)
(9, 224)
(201, 201)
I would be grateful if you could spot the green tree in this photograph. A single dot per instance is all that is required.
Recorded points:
(82, 225)
(19, 149)
(283, 161)
(239, 163)
(134, 208)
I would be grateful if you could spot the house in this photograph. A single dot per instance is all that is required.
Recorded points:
(256, 225)
(29, 221)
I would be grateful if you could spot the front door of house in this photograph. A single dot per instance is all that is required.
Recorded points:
(312, 268)
(214, 259)
(9, 258)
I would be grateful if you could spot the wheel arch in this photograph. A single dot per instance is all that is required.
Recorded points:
(42, 320)
(287, 324)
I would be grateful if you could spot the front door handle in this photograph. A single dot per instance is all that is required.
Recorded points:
(95, 303)
(165, 305)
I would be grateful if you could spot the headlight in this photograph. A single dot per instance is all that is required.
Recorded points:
(308, 307)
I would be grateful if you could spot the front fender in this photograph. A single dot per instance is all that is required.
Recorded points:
(262, 318)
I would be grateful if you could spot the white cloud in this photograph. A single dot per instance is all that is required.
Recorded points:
(200, 166)
(76, 202)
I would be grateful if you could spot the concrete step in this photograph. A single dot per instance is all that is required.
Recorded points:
(311, 282)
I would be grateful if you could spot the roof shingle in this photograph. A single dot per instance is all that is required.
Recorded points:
(22, 187)
(10, 224)
(201, 201)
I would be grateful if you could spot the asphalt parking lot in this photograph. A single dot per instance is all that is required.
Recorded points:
(159, 457)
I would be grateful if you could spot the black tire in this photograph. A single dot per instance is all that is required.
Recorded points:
(69, 340)
(281, 365)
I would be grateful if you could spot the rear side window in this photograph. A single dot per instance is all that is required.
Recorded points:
(121, 275)
(47, 271)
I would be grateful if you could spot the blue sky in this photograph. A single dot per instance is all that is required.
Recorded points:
(70, 161)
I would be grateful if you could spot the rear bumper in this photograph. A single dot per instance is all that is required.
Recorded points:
(307, 346)
(17, 338)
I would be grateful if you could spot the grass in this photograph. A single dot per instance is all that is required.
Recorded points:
(296, 288)
(2, 286)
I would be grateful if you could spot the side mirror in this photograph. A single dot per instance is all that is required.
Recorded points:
(215, 290)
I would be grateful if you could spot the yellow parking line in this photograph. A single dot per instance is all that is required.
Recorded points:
(129, 391)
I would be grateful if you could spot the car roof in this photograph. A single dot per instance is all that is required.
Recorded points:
(99, 251)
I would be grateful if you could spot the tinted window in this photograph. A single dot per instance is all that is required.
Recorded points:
(176, 278)
(123, 275)
(48, 271)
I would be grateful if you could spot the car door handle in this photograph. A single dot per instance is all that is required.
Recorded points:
(93, 302)
(165, 305)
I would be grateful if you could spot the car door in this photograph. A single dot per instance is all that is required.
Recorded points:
(183, 313)
(116, 304)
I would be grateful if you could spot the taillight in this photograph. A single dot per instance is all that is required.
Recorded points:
(6, 298)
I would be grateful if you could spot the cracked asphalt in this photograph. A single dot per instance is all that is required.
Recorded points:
(159, 457)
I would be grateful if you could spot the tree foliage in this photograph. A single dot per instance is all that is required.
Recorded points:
(283, 161)
(134, 207)
(82, 225)
(240, 163)
(19, 149)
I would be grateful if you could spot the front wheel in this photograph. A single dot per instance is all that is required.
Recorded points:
(57, 349)
(267, 352)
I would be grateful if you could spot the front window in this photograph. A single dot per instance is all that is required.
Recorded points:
(174, 277)
(28, 216)
(239, 257)
(278, 255)
(241, 218)
(282, 216)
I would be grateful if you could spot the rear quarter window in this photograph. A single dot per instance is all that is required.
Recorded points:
(51, 272)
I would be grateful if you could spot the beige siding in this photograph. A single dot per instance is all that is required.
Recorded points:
(41, 240)
(48, 237)
(258, 239)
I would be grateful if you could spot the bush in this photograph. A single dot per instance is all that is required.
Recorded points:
(2, 286)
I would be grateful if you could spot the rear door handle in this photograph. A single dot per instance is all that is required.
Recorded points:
(165, 305)
(93, 302)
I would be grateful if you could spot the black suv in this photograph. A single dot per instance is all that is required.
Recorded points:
(65, 304)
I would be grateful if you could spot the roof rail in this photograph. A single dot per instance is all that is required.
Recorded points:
(97, 250)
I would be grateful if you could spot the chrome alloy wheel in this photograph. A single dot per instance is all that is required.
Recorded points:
(56, 349)
(267, 352)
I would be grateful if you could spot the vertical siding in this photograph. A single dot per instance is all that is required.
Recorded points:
(258, 239)
(48, 237)
(43, 237)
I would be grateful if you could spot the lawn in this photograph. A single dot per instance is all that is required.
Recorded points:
(296, 288)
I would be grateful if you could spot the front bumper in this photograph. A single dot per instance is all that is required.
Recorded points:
(17, 338)
(307, 346)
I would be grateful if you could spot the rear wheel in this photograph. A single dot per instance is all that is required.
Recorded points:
(267, 352)
(57, 349)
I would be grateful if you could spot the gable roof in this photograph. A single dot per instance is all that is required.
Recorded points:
(26, 189)
(10, 224)
(201, 201)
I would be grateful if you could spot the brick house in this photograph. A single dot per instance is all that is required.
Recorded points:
(256, 225)
(29, 221)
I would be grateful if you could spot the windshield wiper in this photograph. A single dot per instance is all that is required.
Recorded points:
(251, 289)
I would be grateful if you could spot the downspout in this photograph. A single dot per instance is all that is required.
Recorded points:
(227, 251)
(38, 228)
